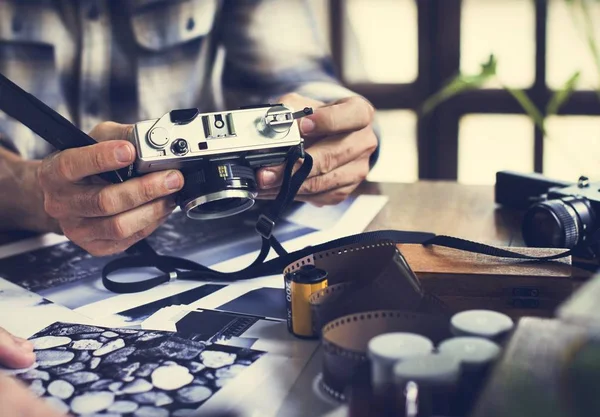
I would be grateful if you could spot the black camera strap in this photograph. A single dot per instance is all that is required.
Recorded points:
(179, 268)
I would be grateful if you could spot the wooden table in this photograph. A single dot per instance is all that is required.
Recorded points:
(449, 208)
(441, 207)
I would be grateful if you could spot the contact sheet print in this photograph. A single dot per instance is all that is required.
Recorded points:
(84, 370)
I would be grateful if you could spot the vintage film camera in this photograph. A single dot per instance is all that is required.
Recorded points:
(558, 214)
(218, 153)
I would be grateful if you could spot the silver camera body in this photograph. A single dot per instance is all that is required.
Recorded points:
(218, 153)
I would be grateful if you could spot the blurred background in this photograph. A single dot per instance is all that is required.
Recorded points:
(519, 83)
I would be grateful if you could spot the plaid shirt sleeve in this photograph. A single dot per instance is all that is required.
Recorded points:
(272, 47)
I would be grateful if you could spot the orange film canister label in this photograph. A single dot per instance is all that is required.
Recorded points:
(299, 285)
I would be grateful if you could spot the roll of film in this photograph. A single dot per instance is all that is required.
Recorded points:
(299, 285)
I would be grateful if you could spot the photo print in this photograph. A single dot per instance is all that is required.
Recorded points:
(265, 302)
(136, 315)
(23, 312)
(232, 329)
(83, 370)
(67, 275)
(221, 327)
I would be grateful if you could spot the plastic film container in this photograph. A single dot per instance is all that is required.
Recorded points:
(476, 356)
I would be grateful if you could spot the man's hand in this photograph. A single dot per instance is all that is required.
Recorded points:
(105, 218)
(14, 351)
(15, 399)
(340, 138)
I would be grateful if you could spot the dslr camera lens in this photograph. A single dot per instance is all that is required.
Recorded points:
(561, 223)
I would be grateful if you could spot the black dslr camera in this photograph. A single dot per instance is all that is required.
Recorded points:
(558, 214)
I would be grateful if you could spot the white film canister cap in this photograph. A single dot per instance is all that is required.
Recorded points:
(392, 347)
(387, 349)
(481, 323)
(430, 370)
(471, 352)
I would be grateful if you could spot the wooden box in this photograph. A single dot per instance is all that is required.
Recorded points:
(465, 280)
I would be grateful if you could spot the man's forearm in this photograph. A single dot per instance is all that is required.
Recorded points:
(21, 201)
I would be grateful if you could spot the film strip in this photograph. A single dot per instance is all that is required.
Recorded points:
(370, 290)
(345, 341)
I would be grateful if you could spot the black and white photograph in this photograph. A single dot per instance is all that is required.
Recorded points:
(232, 329)
(67, 275)
(267, 302)
(23, 312)
(136, 315)
(84, 370)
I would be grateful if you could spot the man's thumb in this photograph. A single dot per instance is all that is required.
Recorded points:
(15, 353)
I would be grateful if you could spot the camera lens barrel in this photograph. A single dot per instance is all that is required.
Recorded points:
(560, 223)
(218, 189)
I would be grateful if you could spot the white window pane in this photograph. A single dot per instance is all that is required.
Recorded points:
(505, 28)
(398, 160)
(381, 41)
(572, 147)
(491, 143)
(567, 49)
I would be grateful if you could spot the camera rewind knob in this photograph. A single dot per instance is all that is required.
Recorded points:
(279, 119)
(158, 137)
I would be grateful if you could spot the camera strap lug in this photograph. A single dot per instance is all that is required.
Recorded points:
(264, 226)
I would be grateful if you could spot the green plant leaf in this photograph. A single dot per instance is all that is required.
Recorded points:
(461, 83)
(530, 108)
(561, 96)
(491, 66)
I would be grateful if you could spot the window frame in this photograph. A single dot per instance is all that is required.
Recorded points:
(439, 24)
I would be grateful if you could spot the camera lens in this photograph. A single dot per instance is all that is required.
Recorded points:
(560, 223)
(218, 190)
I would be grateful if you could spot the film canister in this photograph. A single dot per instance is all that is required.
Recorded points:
(299, 285)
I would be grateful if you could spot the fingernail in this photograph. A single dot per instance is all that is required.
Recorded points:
(123, 153)
(268, 178)
(307, 125)
(173, 181)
